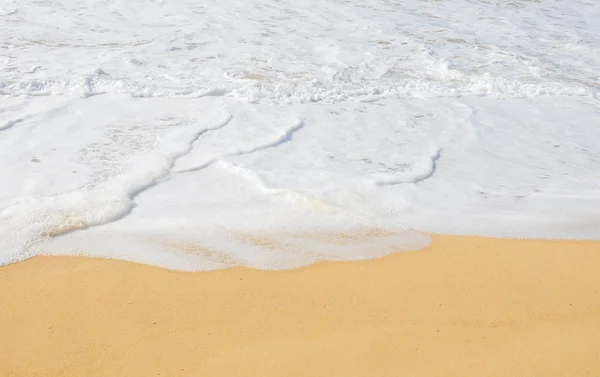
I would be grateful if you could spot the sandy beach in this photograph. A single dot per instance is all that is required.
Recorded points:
(465, 306)
(248, 188)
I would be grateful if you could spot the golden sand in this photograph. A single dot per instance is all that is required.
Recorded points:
(463, 307)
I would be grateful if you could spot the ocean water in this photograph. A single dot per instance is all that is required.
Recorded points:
(204, 134)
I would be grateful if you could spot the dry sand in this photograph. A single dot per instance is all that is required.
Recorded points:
(465, 306)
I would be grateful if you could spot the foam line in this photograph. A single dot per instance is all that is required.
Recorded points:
(284, 137)
(418, 172)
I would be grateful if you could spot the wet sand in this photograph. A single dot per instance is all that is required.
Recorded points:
(465, 306)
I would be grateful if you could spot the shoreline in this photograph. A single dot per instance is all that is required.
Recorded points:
(464, 306)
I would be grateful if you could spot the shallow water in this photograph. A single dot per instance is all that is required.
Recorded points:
(202, 135)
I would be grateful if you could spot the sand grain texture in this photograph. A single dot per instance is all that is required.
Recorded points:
(462, 307)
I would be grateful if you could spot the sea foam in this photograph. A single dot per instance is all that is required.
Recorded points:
(204, 135)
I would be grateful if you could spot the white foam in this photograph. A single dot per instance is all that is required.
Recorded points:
(200, 135)
(414, 173)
